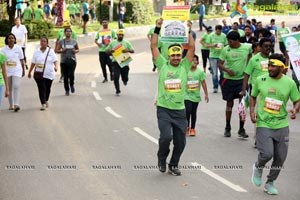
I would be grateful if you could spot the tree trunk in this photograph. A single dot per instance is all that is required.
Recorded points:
(11, 10)
(60, 12)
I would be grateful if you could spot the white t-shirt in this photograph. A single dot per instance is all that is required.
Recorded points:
(20, 33)
(13, 63)
(39, 59)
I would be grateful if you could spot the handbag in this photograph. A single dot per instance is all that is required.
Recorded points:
(39, 70)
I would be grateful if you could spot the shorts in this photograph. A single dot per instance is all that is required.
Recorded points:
(85, 17)
(231, 89)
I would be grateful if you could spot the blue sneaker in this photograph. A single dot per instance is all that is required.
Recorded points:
(256, 176)
(270, 188)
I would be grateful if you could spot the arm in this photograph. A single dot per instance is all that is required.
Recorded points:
(75, 49)
(221, 67)
(5, 80)
(295, 109)
(191, 48)
(154, 40)
(245, 83)
(204, 86)
(30, 70)
(252, 109)
(23, 67)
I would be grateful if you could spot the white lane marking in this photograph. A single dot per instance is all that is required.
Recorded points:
(108, 109)
(203, 169)
(146, 135)
(93, 84)
(219, 178)
(97, 96)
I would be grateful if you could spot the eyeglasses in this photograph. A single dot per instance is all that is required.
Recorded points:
(267, 46)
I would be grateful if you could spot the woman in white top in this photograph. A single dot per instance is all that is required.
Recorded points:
(15, 69)
(44, 59)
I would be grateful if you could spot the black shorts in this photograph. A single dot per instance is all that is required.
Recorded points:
(231, 89)
(85, 17)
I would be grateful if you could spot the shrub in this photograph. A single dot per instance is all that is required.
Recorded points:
(5, 27)
(37, 29)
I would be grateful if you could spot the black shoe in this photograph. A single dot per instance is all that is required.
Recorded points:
(118, 93)
(105, 80)
(242, 133)
(174, 171)
(227, 132)
(67, 93)
(17, 108)
(72, 89)
(162, 167)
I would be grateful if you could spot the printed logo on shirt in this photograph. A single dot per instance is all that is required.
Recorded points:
(272, 91)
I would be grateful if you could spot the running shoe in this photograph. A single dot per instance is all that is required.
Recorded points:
(174, 171)
(270, 188)
(192, 132)
(242, 133)
(256, 176)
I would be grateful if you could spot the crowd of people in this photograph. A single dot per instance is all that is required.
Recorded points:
(242, 60)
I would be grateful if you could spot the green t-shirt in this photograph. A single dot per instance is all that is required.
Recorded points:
(71, 7)
(38, 14)
(235, 60)
(194, 80)
(27, 14)
(115, 43)
(61, 35)
(104, 37)
(3, 58)
(205, 39)
(256, 67)
(273, 95)
(213, 39)
(281, 31)
(241, 32)
(77, 8)
(172, 83)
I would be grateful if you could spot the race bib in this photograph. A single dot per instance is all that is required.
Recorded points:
(18, 42)
(264, 65)
(39, 67)
(219, 46)
(173, 85)
(272, 105)
(193, 85)
(11, 64)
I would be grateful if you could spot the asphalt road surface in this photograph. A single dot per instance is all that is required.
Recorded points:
(93, 145)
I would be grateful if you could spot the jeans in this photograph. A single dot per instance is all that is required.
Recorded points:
(69, 75)
(105, 60)
(214, 69)
(121, 19)
(201, 24)
(44, 87)
(191, 112)
(14, 92)
(172, 125)
(2, 88)
(124, 75)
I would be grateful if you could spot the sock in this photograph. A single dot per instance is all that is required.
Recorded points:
(228, 124)
(241, 124)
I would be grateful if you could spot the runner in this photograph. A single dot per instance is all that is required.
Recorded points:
(15, 69)
(272, 133)
(68, 49)
(102, 39)
(216, 42)
(204, 50)
(118, 70)
(170, 101)
(192, 97)
(236, 56)
(44, 59)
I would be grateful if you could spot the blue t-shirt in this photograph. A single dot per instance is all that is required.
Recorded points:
(202, 10)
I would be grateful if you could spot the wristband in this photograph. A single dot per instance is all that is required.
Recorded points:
(157, 30)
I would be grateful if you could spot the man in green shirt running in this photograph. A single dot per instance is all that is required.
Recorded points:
(272, 128)
(236, 56)
(172, 83)
(27, 14)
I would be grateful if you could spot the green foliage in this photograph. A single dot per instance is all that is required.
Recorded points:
(5, 27)
(137, 12)
(37, 29)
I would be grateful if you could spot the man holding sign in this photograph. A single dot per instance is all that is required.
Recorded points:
(172, 84)
(272, 128)
(120, 50)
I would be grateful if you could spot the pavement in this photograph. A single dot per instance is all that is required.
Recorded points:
(137, 32)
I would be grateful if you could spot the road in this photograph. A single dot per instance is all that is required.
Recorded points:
(93, 145)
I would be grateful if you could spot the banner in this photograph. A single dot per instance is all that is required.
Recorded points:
(123, 59)
(292, 44)
(175, 28)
